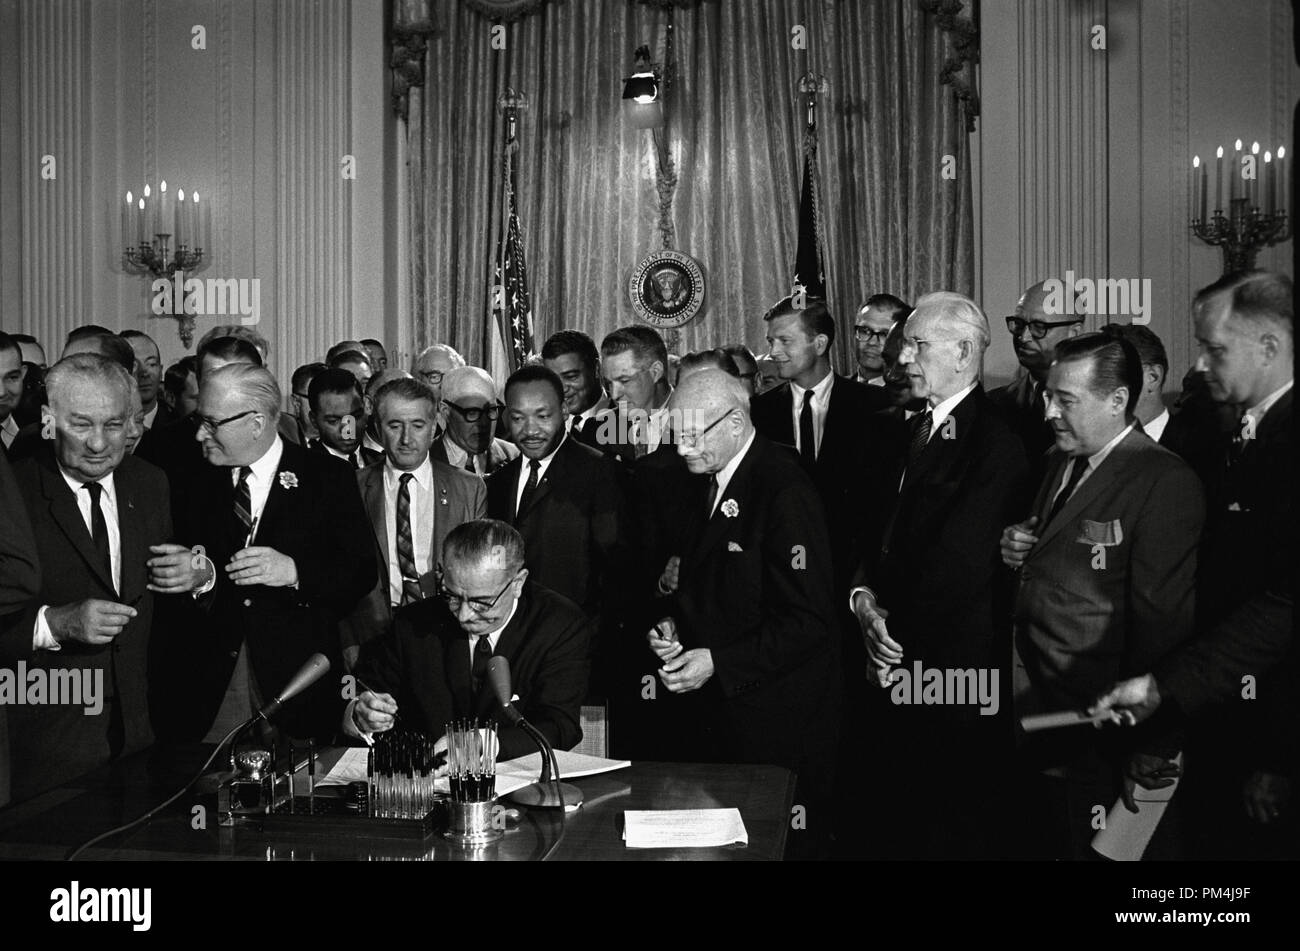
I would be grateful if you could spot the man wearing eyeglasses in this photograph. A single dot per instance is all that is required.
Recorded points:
(874, 319)
(1035, 333)
(433, 363)
(284, 528)
(297, 427)
(469, 414)
(432, 667)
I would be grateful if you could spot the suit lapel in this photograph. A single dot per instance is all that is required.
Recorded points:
(135, 546)
(553, 471)
(1111, 470)
(372, 493)
(736, 492)
(785, 420)
(456, 663)
(66, 514)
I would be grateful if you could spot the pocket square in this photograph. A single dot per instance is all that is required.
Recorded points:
(732, 546)
(1100, 533)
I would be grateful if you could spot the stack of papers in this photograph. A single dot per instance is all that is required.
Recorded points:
(683, 828)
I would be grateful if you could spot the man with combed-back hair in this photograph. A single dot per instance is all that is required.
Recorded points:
(431, 669)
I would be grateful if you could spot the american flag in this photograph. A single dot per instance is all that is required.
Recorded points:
(512, 304)
(809, 271)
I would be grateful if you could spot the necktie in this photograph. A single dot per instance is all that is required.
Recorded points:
(529, 488)
(469, 465)
(405, 546)
(244, 500)
(807, 440)
(1078, 466)
(713, 497)
(352, 459)
(99, 527)
(478, 669)
(921, 425)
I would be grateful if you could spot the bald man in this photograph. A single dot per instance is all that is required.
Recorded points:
(433, 363)
(748, 621)
(468, 418)
(1035, 333)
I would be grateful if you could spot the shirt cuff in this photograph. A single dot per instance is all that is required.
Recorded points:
(865, 590)
(43, 638)
(350, 727)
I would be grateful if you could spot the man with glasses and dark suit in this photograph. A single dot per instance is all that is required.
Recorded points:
(871, 325)
(432, 667)
(1035, 334)
(433, 364)
(469, 413)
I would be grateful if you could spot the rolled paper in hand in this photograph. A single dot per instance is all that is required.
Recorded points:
(1051, 721)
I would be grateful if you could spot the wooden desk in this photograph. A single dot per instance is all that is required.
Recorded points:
(49, 826)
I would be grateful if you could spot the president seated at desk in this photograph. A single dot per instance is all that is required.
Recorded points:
(431, 667)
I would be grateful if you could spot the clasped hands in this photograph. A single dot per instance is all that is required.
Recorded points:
(883, 652)
(683, 670)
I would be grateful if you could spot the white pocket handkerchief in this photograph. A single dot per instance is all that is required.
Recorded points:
(732, 546)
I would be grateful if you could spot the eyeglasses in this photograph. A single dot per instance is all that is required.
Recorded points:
(1037, 328)
(690, 441)
(210, 426)
(302, 396)
(867, 334)
(432, 377)
(478, 605)
(473, 414)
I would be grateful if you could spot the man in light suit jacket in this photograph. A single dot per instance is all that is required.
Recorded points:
(750, 622)
(1107, 566)
(468, 416)
(438, 498)
(95, 511)
(432, 666)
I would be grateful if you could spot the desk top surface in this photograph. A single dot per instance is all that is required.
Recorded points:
(47, 827)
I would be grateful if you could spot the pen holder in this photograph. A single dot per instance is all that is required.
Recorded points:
(473, 816)
(474, 823)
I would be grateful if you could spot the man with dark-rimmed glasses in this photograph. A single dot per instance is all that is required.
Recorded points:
(432, 667)
(469, 413)
(1035, 333)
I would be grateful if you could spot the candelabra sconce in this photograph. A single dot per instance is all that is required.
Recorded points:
(1242, 232)
(1257, 195)
(176, 219)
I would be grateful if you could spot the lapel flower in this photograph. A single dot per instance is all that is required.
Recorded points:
(288, 480)
(730, 508)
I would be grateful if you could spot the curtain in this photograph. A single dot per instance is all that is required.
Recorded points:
(587, 187)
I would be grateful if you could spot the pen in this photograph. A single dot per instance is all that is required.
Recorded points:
(311, 777)
(252, 531)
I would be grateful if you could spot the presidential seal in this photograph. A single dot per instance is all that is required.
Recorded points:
(667, 289)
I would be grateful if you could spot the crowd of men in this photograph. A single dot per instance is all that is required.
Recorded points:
(871, 579)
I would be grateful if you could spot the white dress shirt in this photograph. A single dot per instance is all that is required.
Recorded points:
(945, 408)
(542, 465)
(1094, 463)
(423, 512)
(150, 416)
(260, 482)
(595, 409)
(457, 457)
(343, 455)
(1257, 411)
(1156, 428)
(821, 402)
(42, 637)
(724, 474)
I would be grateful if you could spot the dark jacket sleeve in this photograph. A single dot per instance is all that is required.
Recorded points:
(343, 570)
(551, 698)
(20, 569)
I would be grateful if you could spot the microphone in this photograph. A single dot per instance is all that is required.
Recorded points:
(548, 791)
(317, 666)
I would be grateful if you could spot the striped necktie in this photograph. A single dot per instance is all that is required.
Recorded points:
(244, 499)
(405, 544)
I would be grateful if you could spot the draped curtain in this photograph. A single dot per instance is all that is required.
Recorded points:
(586, 179)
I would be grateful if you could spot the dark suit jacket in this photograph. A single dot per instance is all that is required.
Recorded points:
(842, 461)
(938, 570)
(573, 528)
(319, 523)
(367, 456)
(174, 449)
(1108, 590)
(20, 580)
(461, 498)
(1025, 412)
(1246, 590)
(755, 590)
(424, 662)
(53, 744)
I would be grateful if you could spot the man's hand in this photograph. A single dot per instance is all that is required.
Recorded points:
(376, 712)
(93, 621)
(1017, 541)
(440, 746)
(1148, 771)
(1265, 796)
(663, 639)
(175, 569)
(350, 655)
(261, 565)
(1129, 701)
(883, 651)
(672, 571)
(690, 671)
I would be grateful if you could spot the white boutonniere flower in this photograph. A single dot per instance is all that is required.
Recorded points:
(730, 508)
(288, 480)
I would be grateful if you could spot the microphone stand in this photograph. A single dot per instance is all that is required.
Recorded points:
(548, 792)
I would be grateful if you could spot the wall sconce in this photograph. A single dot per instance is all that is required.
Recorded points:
(641, 101)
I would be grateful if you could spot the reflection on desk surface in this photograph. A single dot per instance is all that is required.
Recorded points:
(48, 826)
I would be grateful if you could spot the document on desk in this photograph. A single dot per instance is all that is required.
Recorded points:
(1126, 835)
(683, 828)
(511, 774)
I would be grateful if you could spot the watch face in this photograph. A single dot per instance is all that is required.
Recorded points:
(667, 289)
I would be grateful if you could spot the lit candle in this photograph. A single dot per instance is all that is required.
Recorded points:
(1205, 184)
(200, 223)
(181, 231)
(1234, 186)
(164, 209)
(1253, 184)
(127, 209)
(148, 207)
(139, 223)
(1218, 180)
(1284, 182)
(1268, 183)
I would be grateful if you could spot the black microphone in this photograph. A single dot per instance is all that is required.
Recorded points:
(317, 666)
(548, 791)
